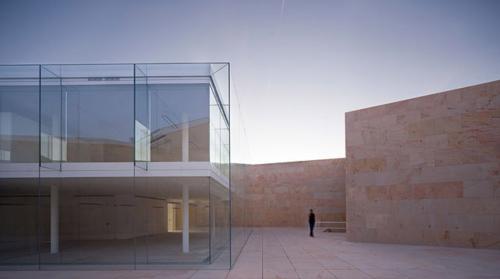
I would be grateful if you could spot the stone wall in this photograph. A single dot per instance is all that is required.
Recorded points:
(426, 170)
(281, 194)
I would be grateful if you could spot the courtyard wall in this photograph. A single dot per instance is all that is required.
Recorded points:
(281, 194)
(426, 170)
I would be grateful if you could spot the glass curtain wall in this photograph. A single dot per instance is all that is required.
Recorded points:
(19, 160)
(122, 164)
(86, 118)
(240, 159)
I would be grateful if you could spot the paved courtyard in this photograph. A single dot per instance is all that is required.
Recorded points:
(290, 253)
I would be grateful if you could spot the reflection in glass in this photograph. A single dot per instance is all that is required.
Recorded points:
(219, 196)
(95, 221)
(159, 220)
(19, 114)
(123, 164)
(219, 137)
(18, 214)
(19, 153)
(175, 107)
(100, 123)
(142, 109)
(53, 111)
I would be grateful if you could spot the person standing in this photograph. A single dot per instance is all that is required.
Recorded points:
(312, 221)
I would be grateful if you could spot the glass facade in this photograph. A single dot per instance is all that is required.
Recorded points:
(240, 157)
(120, 164)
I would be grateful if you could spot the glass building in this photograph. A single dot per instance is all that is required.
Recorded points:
(118, 165)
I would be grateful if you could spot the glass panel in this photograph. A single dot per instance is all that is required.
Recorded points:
(19, 154)
(214, 131)
(219, 202)
(19, 86)
(18, 211)
(52, 120)
(176, 108)
(159, 220)
(240, 159)
(93, 218)
(224, 149)
(142, 102)
(220, 77)
(240, 230)
(100, 113)
(219, 138)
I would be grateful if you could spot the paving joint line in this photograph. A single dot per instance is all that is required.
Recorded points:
(288, 258)
(341, 259)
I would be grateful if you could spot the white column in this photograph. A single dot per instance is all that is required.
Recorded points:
(211, 208)
(55, 148)
(185, 138)
(185, 219)
(54, 219)
(185, 188)
(64, 137)
(6, 132)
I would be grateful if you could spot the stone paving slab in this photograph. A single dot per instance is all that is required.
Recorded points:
(288, 253)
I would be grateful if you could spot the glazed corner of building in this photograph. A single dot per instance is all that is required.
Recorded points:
(95, 157)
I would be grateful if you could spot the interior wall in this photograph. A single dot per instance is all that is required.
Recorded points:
(426, 170)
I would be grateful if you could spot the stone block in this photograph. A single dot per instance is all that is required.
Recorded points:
(368, 165)
(479, 188)
(439, 190)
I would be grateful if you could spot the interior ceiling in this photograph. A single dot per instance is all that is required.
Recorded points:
(158, 187)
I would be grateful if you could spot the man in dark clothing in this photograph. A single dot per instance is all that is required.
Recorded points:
(312, 221)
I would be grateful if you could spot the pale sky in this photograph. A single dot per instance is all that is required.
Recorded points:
(297, 66)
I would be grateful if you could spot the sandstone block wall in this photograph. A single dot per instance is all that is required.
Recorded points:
(426, 170)
(281, 194)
